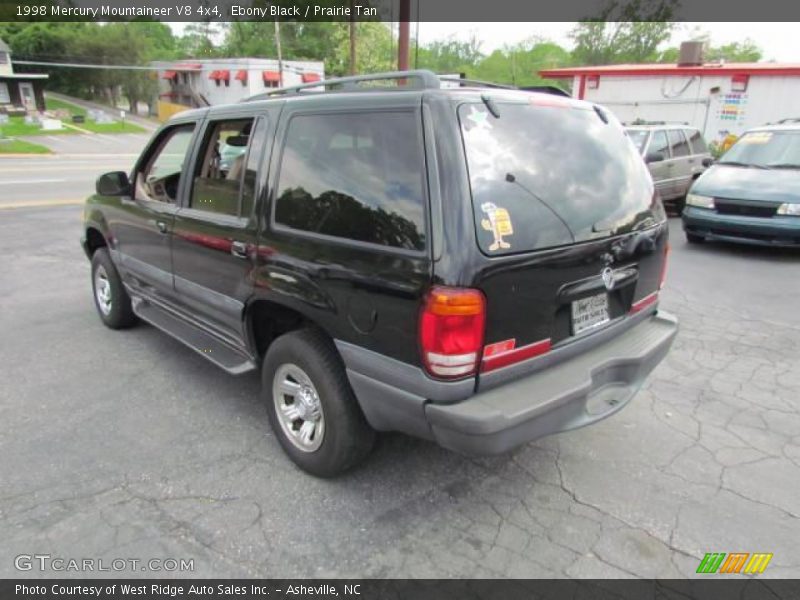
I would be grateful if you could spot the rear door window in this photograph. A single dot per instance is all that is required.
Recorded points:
(678, 143)
(221, 168)
(544, 176)
(659, 144)
(696, 141)
(354, 176)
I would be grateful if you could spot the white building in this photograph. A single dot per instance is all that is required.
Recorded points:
(195, 83)
(719, 99)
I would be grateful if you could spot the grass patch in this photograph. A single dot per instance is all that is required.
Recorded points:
(20, 147)
(89, 125)
(17, 127)
(55, 104)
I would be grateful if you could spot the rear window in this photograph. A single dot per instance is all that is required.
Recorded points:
(354, 176)
(546, 176)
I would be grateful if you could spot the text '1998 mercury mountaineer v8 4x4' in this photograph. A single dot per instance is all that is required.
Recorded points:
(478, 266)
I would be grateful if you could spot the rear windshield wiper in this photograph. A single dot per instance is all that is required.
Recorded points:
(736, 163)
(510, 178)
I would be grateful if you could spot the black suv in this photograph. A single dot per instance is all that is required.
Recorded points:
(477, 266)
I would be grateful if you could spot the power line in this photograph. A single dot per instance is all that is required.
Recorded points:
(84, 65)
(166, 66)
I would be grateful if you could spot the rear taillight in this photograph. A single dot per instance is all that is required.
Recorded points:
(663, 278)
(451, 331)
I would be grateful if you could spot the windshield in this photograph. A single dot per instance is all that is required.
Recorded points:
(545, 176)
(770, 149)
(638, 137)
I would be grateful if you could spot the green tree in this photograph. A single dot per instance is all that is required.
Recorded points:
(744, 51)
(630, 32)
(450, 56)
(374, 49)
(519, 64)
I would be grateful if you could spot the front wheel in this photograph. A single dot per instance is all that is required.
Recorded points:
(110, 298)
(311, 407)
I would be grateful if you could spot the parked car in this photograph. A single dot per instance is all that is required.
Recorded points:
(676, 155)
(752, 194)
(396, 258)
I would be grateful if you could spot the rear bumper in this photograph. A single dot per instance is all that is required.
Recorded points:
(578, 391)
(774, 231)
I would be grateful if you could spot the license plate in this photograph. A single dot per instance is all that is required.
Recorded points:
(588, 313)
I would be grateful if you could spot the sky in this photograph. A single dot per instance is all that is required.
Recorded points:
(778, 41)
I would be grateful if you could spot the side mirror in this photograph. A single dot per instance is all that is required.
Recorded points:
(113, 184)
(654, 157)
(708, 161)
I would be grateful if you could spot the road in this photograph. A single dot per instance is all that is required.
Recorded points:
(69, 176)
(128, 445)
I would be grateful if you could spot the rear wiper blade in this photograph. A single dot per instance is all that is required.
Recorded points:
(736, 163)
(511, 178)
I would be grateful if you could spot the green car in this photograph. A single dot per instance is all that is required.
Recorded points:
(752, 194)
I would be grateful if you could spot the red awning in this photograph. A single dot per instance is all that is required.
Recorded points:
(310, 77)
(169, 75)
(270, 76)
(224, 75)
(241, 75)
(213, 75)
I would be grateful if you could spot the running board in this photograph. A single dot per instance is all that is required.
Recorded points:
(206, 345)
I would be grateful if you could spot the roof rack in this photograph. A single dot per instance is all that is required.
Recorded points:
(476, 82)
(789, 120)
(420, 79)
(643, 123)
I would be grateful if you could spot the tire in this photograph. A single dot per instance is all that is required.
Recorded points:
(111, 300)
(305, 365)
(678, 205)
(693, 238)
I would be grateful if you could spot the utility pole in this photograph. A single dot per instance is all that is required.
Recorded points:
(280, 57)
(403, 35)
(352, 39)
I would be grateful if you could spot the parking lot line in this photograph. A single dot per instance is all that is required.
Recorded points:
(23, 181)
(42, 203)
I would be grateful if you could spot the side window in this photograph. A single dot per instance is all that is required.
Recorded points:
(698, 144)
(159, 179)
(680, 147)
(220, 170)
(659, 143)
(354, 176)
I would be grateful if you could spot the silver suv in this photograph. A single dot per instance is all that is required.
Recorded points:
(676, 155)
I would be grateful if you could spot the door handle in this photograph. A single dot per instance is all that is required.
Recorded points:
(162, 226)
(239, 249)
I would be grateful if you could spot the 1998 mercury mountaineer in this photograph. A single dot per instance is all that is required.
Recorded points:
(475, 265)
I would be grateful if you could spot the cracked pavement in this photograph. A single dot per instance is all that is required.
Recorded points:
(128, 445)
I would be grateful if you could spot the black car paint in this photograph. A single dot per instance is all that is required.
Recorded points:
(361, 294)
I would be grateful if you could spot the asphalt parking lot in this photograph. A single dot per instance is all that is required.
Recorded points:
(128, 445)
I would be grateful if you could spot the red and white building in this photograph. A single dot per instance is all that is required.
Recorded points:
(719, 99)
(196, 83)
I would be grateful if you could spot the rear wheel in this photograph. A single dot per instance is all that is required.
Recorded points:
(311, 406)
(693, 238)
(110, 298)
